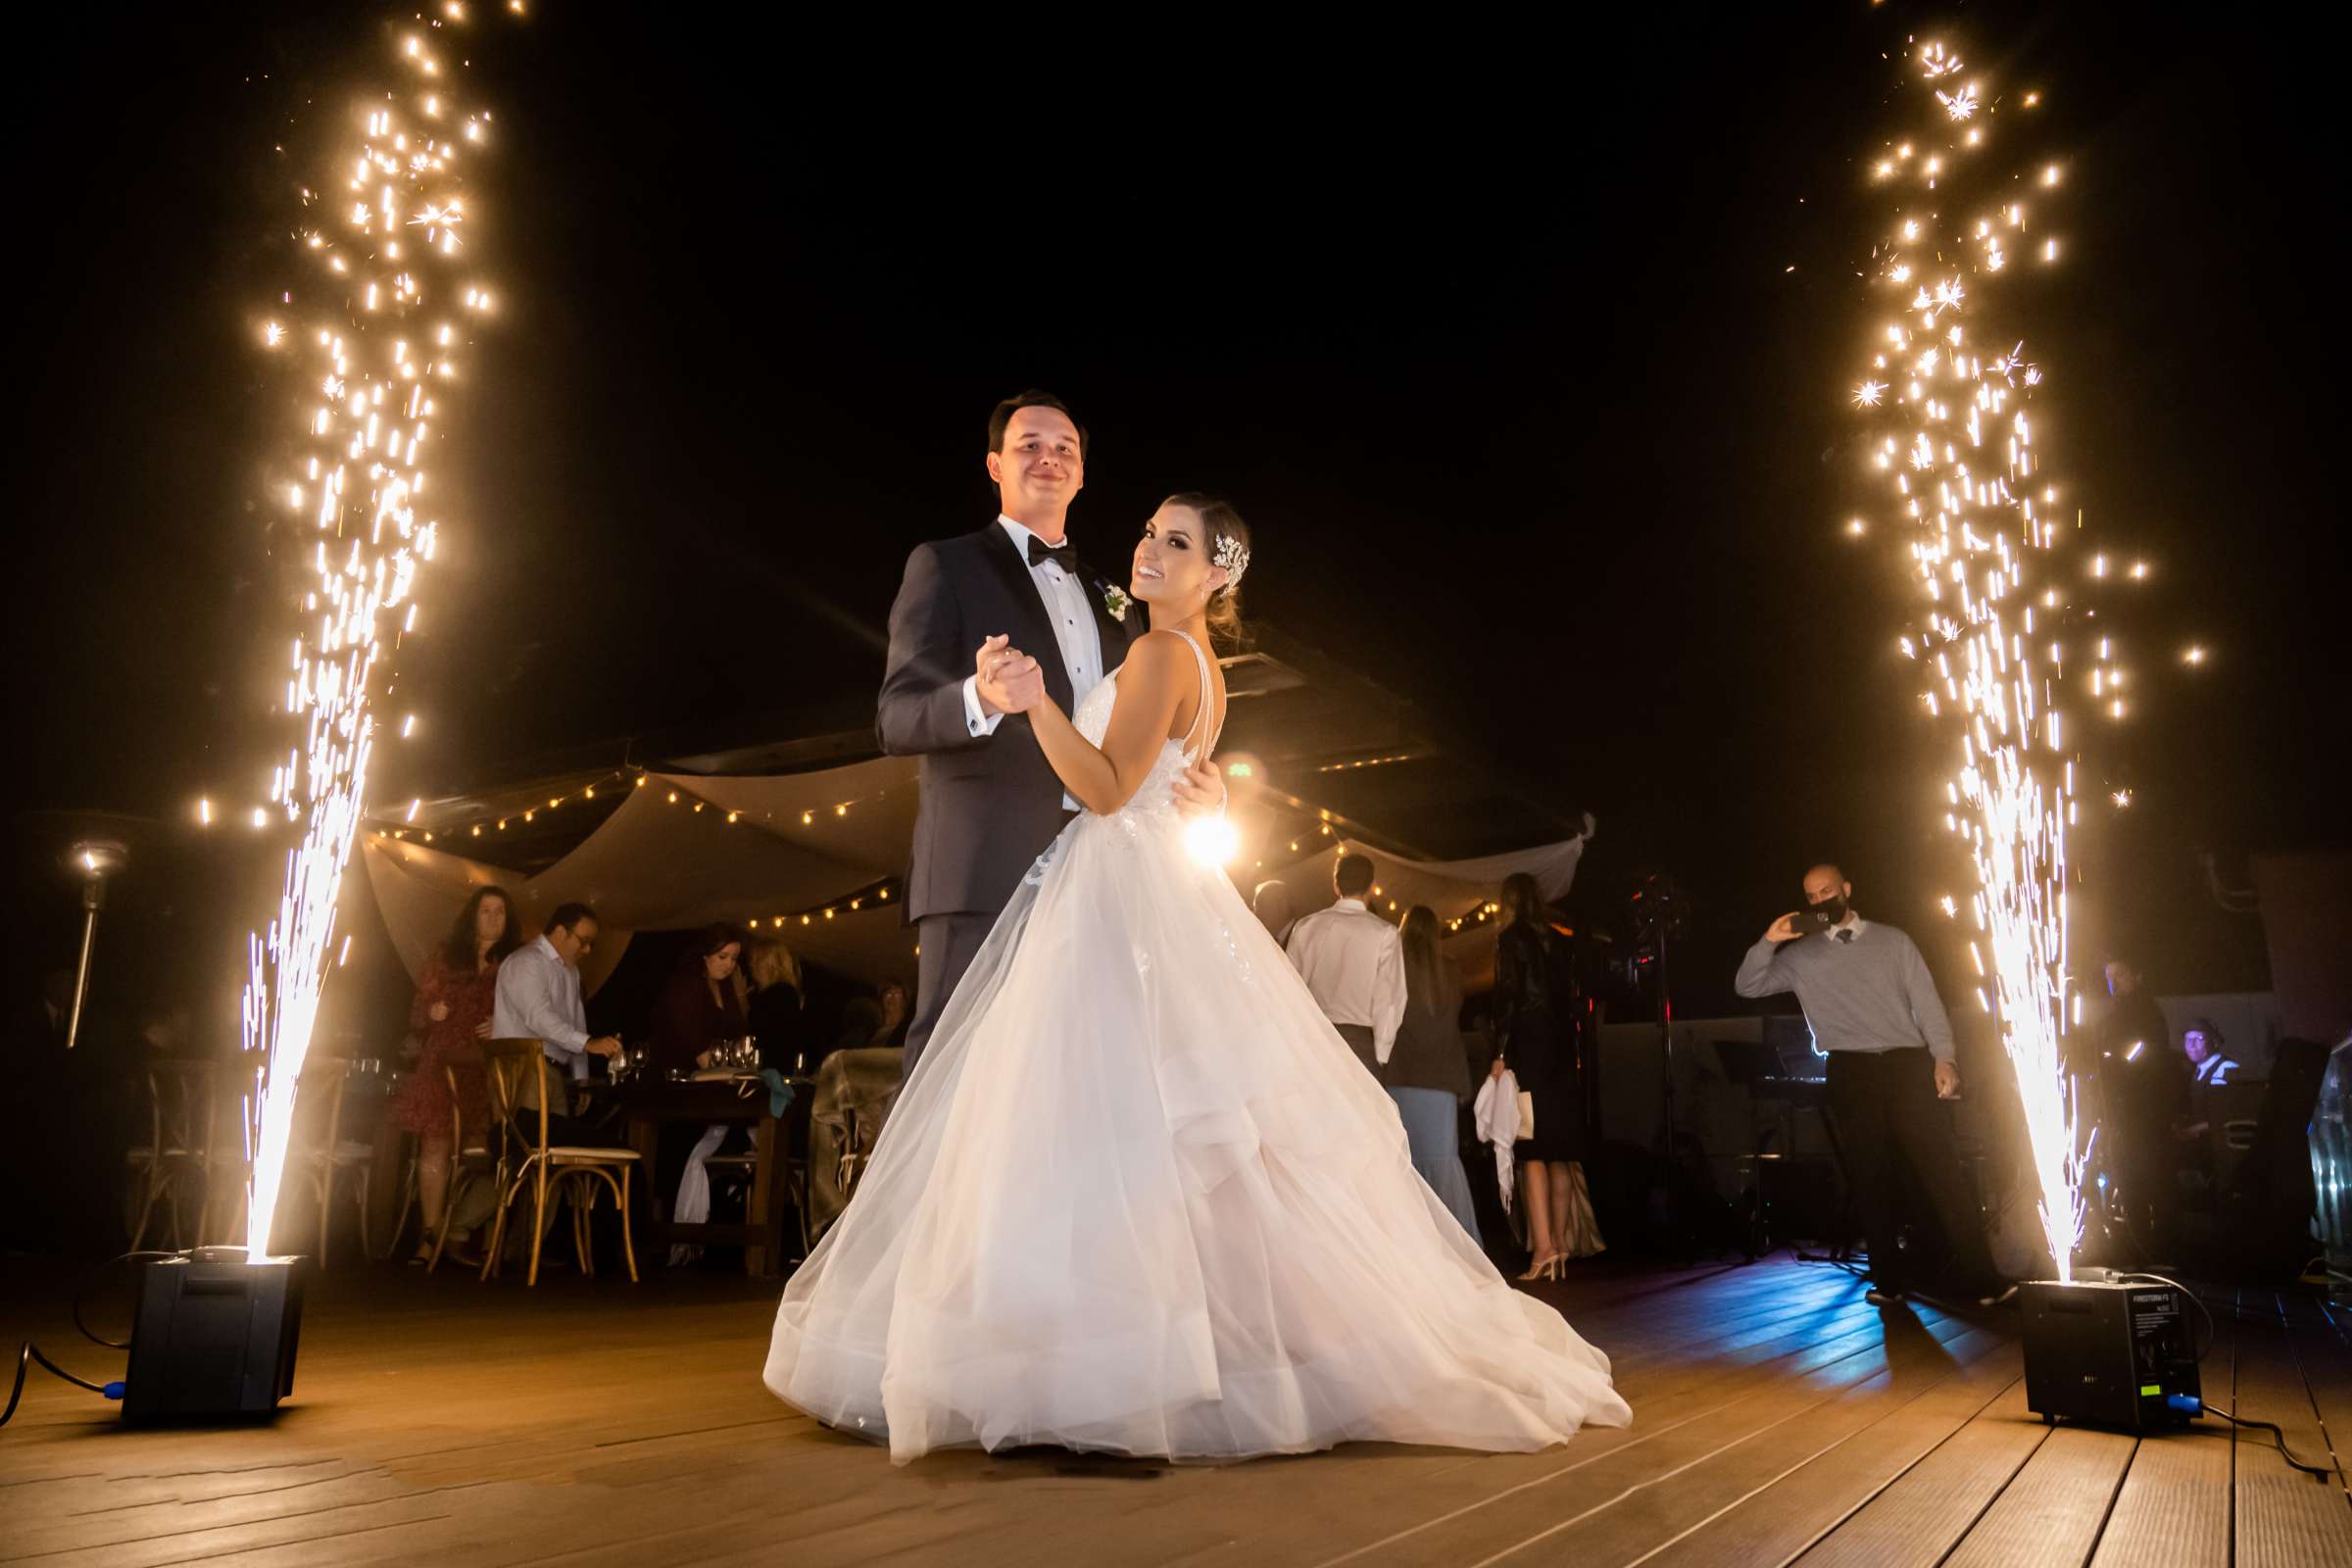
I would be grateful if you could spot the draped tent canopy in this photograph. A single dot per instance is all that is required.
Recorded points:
(682, 852)
(808, 840)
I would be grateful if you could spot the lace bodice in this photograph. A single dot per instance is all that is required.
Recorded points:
(1154, 799)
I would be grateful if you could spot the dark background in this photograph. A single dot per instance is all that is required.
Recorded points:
(1493, 335)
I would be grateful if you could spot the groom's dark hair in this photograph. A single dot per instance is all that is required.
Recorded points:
(1352, 876)
(1031, 399)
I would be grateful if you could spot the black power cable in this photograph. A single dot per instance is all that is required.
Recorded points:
(82, 1297)
(2193, 1406)
(29, 1354)
(2190, 1404)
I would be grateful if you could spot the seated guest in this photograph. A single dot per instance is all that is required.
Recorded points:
(2202, 1043)
(539, 999)
(1354, 962)
(1426, 1074)
(456, 996)
(778, 1010)
(1273, 906)
(860, 1021)
(892, 1031)
(703, 1003)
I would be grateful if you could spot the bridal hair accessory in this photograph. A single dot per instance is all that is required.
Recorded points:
(1234, 557)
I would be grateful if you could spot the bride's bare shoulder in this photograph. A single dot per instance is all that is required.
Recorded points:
(1161, 650)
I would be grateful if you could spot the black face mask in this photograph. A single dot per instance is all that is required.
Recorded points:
(1832, 910)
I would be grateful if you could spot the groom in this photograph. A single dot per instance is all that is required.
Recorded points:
(957, 678)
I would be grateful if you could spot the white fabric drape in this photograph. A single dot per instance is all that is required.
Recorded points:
(1454, 889)
(694, 1191)
(769, 846)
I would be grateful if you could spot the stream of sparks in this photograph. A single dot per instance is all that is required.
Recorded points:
(385, 226)
(1952, 446)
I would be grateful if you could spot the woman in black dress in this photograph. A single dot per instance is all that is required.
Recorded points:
(1535, 1026)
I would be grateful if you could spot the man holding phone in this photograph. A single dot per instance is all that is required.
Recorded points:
(1872, 1007)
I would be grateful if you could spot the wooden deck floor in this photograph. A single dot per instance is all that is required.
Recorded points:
(1777, 1419)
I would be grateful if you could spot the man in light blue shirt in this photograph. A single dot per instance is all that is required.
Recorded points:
(539, 999)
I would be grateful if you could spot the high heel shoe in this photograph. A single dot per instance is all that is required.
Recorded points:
(1543, 1268)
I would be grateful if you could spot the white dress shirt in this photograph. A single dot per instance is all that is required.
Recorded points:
(539, 999)
(1074, 630)
(1353, 962)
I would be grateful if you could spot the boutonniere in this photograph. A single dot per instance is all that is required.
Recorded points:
(1114, 601)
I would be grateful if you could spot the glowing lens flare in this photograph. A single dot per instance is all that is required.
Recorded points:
(1965, 494)
(359, 450)
(1212, 840)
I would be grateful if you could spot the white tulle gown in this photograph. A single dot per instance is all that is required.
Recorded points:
(1140, 1198)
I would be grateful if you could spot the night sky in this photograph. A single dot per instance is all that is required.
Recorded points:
(1492, 336)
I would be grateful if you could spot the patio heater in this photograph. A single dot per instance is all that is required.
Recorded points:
(93, 861)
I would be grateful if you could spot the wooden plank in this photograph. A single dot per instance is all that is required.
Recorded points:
(446, 1421)
(1636, 1497)
(2173, 1508)
(2053, 1509)
(1921, 1514)
(1809, 1498)
(2284, 1517)
(2321, 1338)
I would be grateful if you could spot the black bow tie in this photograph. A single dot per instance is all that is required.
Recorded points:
(1063, 554)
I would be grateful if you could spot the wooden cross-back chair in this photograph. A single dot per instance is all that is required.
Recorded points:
(466, 1165)
(183, 1096)
(516, 1070)
(321, 1154)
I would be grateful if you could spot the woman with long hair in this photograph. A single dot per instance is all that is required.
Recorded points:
(1536, 1030)
(455, 997)
(777, 1013)
(703, 1001)
(1425, 1073)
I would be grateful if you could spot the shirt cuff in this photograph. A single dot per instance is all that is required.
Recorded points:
(979, 723)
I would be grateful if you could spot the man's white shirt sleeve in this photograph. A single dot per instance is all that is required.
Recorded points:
(982, 724)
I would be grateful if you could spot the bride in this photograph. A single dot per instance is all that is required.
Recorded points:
(1138, 1196)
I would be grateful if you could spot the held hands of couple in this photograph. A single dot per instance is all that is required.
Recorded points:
(1009, 680)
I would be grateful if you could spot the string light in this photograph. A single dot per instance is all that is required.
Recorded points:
(1964, 485)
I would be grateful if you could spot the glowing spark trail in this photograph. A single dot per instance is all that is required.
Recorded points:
(381, 227)
(1968, 497)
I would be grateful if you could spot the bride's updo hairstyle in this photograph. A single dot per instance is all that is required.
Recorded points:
(1229, 537)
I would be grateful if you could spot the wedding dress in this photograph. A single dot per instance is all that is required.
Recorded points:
(1140, 1198)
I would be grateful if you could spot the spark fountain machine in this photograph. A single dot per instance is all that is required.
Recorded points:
(213, 1338)
(2112, 1349)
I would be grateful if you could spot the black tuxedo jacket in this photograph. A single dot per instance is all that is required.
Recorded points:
(989, 807)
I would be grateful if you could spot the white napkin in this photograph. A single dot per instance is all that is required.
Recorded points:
(1496, 1114)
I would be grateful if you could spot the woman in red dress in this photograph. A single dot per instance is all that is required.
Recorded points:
(455, 997)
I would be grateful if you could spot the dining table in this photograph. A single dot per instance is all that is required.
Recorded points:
(645, 1104)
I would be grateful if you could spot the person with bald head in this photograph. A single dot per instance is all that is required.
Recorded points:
(1873, 1009)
